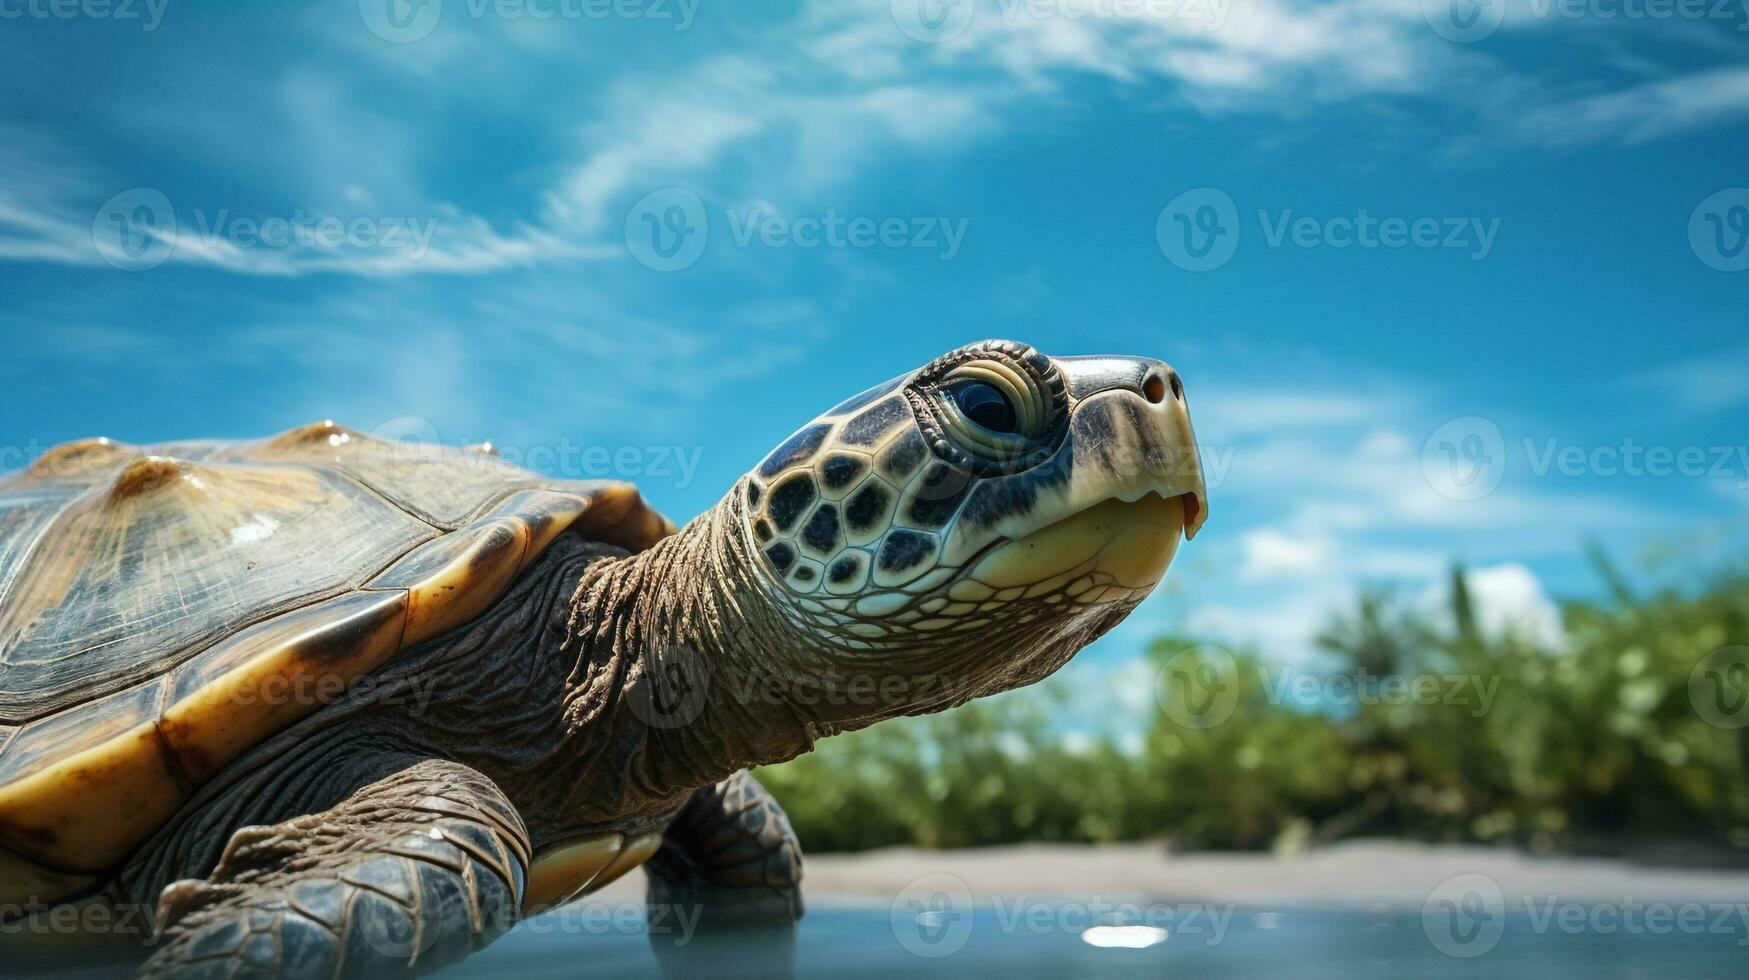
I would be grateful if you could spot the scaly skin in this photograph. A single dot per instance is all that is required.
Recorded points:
(605, 689)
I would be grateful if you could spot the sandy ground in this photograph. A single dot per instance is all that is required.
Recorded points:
(1355, 873)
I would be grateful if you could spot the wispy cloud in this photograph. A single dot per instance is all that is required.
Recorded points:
(806, 104)
(1710, 384)
(1645, 112)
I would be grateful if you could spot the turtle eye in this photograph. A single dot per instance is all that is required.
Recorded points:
(986, 405)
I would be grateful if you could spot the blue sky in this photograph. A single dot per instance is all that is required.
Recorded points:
(1581, 290)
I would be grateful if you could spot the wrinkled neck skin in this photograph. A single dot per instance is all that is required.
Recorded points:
(656, 641)
(688, 664)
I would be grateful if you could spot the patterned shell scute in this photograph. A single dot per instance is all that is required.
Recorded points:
(170, 554)
(142, 589)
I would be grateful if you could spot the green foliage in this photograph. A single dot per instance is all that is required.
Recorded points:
(1504, 739)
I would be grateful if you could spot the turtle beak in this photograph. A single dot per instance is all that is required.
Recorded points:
(1132, 433)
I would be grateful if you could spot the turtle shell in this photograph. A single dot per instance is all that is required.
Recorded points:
(153, 600)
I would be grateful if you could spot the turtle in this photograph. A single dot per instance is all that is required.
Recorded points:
(329, 704)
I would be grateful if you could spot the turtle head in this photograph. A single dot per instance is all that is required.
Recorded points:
(982, 517)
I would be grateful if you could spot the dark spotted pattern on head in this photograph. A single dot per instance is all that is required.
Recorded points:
(846, 568)
(936, 496)
(885, 524)
(868, 506)
(903, 455)
(821, 534)
(875, 422)
(781, 555)
(798, 448)
(905, 549)
(791, 499)
(840, 470)
(993, 500)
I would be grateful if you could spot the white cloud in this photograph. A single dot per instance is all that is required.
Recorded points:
(1649, 111)
(1508, 598)
(1325, 496)
(810, 104)
(1236, 413)
(1271, 552)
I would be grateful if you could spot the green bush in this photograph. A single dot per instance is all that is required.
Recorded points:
(1596, 742)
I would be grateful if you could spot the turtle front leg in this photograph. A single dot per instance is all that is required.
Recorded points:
(408, 874)
(728, 861)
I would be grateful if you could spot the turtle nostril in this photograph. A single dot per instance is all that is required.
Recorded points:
(1177, 386)
(1154, 389)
